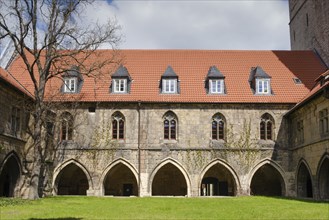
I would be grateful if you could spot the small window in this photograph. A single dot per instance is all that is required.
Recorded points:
(297, 81)
(118, 126)
(170, 126)
(169, 85)
(91, 109)
(70, 85)
(15, 121)
(120, 85)
(218, 127)
(300, 131)
(263, 86)
(66, 127)
(216, 86)
(323, 121)
(266, 127)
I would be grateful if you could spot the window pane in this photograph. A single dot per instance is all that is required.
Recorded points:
(269, 131)
(214, 130)
(221, 130)
(114, 129)
(260, 86)
(262, 130)
(121, 129)
(173, 129)
(64, 130)
(166, 129)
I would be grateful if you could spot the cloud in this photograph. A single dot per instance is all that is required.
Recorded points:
(254, 25)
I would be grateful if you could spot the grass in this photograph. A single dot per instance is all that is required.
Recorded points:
(74, 208)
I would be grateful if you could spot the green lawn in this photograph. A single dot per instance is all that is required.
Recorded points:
(162, 208)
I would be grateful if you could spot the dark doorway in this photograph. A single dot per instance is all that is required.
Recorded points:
(128, 189)
(72, 181)
(267, 181)
(120, 181)
(304, 182)
(169, 181)
(218, 181)
(324, 179)
(9, 177)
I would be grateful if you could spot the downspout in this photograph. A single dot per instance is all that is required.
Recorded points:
(139, 147)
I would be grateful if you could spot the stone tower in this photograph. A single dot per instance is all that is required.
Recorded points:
(309, 26)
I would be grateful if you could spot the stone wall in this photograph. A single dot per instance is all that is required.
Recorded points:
(313, 148)
(193, 153)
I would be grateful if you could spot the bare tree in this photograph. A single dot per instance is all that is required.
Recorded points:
(49, 38)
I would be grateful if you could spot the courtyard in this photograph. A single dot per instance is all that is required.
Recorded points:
(82, 207)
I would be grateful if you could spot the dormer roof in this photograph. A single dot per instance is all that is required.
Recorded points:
(213, 72)
(121, 72)
(258, 72)
(169, 73)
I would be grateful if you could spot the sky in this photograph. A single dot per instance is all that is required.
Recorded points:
(195, 24)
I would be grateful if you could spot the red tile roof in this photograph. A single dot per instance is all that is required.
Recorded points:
(146, 67)
(12, 81)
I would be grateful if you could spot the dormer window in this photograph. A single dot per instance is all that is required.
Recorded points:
(70, 85)
(120, 85)
(121, 81)
(72, 80)
(169, 83)
(260, 81)
(214, 82)
(216, 86)
(263, 86)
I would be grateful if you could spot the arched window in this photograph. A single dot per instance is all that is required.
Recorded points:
(66, 126)
(118, 126)
(218, 127)
(266, 127)
(170, 126)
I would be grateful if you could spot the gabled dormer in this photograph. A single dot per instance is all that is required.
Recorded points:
(169, 83)
(72, 81)
(214, 82)
(121, 81)
(260, 81)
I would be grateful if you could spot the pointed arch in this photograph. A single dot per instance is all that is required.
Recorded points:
(323, 176)
(170, 126)
(82, 171)
(172, 164)
(304, 182)
(224, 178)
(267, 178)
(10, 174)
(124, 182)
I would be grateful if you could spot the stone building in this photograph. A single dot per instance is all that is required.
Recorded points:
(309, 26)
(182, 123)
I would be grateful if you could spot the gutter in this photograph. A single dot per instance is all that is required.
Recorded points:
(139, 147)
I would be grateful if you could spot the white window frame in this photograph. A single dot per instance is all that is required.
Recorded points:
(263, 86)
(70, 85)
(169, 85)
(120, 85)
(216, 86)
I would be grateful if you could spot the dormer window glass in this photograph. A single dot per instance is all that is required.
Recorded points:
(120, 85)
(169, 85)
(263, 86)
(216, 86)
(70, 85)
